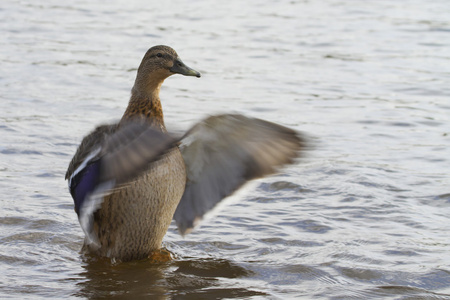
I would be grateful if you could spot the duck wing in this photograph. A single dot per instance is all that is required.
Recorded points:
(223, 152)
(108, 157)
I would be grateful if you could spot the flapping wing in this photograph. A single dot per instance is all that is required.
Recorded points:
(111, 156)
(129, 151)
(223, 152)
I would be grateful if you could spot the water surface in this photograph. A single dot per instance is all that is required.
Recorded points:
(364, 215)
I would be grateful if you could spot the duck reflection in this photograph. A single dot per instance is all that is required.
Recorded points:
(184, 278)
(122, 281)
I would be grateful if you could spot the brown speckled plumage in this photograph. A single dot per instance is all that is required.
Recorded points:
(133, 220)
(148, 108)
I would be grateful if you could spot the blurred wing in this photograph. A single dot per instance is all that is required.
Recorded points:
(119, 157)
(223, 152)
(129, 151)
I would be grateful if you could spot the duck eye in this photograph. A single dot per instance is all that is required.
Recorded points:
(159, 55)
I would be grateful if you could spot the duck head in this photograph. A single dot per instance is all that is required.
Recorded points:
(159, 63)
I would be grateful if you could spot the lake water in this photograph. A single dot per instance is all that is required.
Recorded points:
(366, 214)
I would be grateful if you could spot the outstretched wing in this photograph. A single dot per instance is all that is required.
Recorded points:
(223, 152)
(108, 157)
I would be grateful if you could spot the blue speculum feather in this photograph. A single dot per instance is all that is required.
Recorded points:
(84, 183)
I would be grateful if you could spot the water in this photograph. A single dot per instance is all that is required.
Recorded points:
(364, 215)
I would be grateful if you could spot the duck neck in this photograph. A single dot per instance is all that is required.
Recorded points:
(145, 103)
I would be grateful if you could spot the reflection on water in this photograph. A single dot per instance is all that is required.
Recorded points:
(179, 279)
(103, 280)
(365, 215)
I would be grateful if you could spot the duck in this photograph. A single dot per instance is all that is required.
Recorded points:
(130, 179)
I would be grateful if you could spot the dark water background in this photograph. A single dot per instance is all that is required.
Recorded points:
(365, 215)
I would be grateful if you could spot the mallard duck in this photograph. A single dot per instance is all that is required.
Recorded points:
(130, 179)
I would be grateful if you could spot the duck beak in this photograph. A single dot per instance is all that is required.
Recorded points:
(180, 68)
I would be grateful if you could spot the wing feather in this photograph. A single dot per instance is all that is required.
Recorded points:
(223, 152)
